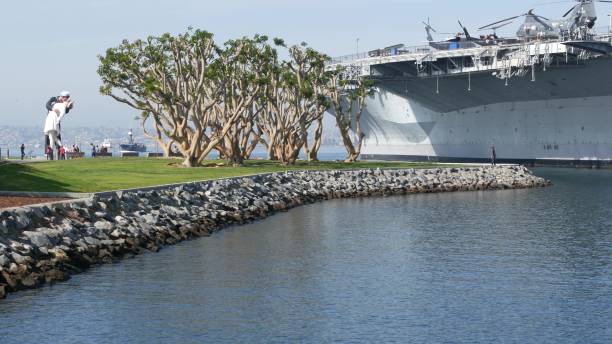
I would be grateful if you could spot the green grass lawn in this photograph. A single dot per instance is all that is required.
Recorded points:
(93, 175)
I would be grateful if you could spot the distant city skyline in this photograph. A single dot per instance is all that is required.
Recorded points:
(50, 47)
(11, 137)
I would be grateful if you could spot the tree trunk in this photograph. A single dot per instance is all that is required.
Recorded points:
(166, 148)
(190, 161)
(272, 153)
(352, 157)
(236, 155)
(345, 135)
(313, 155)
(248, 151)
(272, 146)
(306, 149)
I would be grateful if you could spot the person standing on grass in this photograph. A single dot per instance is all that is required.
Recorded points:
(62, 153)
(53, 121)
(22, 148)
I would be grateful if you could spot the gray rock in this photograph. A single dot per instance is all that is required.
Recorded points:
(81, 243)
(19, 259)
(4, 260)
(92, 241)
(39, 239)
(135, 231)
(29, 281)
(121, 221)
(103, 225)
(150, 219)
(22, 218)
(9, 224)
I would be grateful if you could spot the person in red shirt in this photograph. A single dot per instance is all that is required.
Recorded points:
(62, 153)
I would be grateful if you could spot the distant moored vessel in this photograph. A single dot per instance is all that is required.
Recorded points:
(131, 146)
(107, 144)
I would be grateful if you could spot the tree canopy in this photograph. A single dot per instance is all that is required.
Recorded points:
(200, 96)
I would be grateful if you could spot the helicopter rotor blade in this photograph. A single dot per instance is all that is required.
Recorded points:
(465, 30)
(498, 22)
(552, 2)
(546, 25)
(428, 26)
(570, 10)
(530, 13)
(495, 27)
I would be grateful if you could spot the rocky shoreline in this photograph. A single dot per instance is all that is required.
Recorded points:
(46, 243)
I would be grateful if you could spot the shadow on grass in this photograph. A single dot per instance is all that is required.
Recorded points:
(22, 177)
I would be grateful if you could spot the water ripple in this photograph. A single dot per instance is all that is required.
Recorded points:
(525, 266)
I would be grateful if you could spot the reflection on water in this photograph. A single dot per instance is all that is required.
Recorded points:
(508, 266)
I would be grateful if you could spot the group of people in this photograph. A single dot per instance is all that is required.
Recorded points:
(71, 152)
(57, 108)
(97, 150)
(61, 153)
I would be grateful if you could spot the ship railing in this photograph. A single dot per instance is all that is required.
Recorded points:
(454, 45)
(402, 49)
(602, 30)
(603, 34)
(348, 58)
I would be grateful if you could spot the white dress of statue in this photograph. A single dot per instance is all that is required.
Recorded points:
(52, 124)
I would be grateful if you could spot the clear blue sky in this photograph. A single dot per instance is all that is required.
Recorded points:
(51, 46)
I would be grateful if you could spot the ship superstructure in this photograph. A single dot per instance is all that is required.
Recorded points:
(545, 96)
(131, 146)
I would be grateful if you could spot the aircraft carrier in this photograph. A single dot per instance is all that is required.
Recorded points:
(542, 97)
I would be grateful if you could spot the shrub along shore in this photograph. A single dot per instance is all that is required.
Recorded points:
(47, 243)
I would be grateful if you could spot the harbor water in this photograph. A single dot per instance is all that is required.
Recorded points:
(522, 266)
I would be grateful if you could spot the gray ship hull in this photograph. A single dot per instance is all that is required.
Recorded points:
(559, 116)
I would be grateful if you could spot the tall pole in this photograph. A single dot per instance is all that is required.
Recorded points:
(357, 46)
